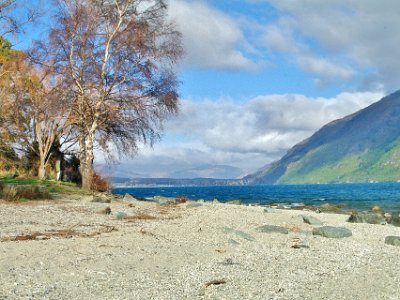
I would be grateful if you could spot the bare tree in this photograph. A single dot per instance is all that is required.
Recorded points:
(14, 15)
(119, 56)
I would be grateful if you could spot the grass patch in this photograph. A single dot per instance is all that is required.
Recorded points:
(17, 189)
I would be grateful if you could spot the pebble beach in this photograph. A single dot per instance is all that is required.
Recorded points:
(74, 248)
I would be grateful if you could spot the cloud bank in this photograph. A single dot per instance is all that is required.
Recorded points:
(348, 38)
(243, 135)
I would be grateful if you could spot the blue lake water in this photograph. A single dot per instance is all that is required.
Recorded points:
(356, 196)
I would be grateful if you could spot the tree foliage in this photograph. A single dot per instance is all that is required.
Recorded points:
(34, 108)
(105, 78)
(118, 57)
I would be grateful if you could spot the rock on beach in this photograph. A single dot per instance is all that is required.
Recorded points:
(332, 232)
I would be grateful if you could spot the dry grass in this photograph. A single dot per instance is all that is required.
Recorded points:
(59, 233)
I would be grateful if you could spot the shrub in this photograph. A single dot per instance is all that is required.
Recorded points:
(100, 184)
(33, 193)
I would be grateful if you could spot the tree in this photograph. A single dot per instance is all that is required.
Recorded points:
(35, 108)
(14, 15)
(119, 57)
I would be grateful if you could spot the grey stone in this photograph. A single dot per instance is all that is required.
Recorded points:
(239, 233)
(332, 232)
(311, 220)
(272, 229)
(367, 217)
(392, 240)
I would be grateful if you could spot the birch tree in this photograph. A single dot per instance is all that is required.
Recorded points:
(119, 56)
(15, 15)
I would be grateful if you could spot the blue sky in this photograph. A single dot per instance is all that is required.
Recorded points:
(259, 76)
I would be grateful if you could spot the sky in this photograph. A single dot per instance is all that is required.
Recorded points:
(259, 76)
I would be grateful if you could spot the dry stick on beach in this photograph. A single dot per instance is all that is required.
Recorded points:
(215, 282)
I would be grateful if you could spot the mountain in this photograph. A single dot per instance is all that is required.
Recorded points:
(127, 170)
(362, 147)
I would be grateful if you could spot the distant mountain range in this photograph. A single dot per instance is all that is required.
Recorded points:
(362, 147)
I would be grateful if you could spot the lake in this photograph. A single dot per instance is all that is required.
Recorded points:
(357, 196)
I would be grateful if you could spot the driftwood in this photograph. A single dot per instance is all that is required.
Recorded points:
(215, 282)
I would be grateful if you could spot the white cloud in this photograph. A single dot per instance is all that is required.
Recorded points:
(243, 135)
(282, 37)
(211, 38)
(325, 68)
(266, 124)
(352, 34)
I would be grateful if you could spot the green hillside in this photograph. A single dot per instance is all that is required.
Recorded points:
(363, 147)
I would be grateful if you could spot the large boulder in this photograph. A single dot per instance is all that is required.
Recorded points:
(332, 232)
(392, 240)
(311, 220)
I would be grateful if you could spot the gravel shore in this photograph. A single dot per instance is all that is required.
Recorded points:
(77, 249)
